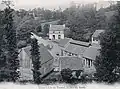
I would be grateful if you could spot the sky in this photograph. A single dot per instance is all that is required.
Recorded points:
(49, 4)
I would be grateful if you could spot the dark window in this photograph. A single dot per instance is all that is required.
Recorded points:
(95, 38)
(53, 36)
(57, 54)
(59, 36)
(89, 63)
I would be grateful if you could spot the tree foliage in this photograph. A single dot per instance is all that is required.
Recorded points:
(35, 60)
(11, 45)
(108, 62)
(46, 29)
(66, 74)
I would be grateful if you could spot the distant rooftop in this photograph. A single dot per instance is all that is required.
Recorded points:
(49, 22)
(57, 27)
(97, 33)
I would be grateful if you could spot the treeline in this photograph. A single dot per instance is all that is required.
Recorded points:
(82, 20)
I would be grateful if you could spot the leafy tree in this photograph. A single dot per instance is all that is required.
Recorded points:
(11, 41)
(46, 29)
(39, 28)
(80, 18)
(108, 61)
(101, 19)
(35, 60)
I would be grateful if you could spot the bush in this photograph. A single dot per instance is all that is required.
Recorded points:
(66, 74)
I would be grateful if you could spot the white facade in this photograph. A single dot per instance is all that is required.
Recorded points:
(56, 32)
(56, 35)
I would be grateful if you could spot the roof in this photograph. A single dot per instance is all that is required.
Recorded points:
(76, 49)
(57, 27)
(97, 33)
(81, 43)
(44, 54)
(91, 53)
(55, 49)
(41, 40)
(64, 42)
(51, 22)
(74, 63)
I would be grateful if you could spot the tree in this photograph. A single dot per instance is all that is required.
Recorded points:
(66, 74)
(101, 19)
(108, 61)
(11, 44)
(80, 18)
(46, 29)
(39, 28)
(35, 60)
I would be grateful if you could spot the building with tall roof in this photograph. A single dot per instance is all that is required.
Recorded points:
(56, 32)
(26, 62)
(75, 48)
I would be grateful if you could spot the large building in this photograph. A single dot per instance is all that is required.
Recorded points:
(56, 32)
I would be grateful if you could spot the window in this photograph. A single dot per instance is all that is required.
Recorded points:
(59, 36)
(57, 54)
(53, 36)
(53, 31)
(95, 39)
(89, 63)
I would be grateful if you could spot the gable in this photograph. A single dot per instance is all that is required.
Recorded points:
(97, 33)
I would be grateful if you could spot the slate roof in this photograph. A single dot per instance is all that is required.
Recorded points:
(77, 47)
(44, 54)
(57, 28)
(51, 22)
(64, 42)
(97, 33)
(74, 63)
(91, 53)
